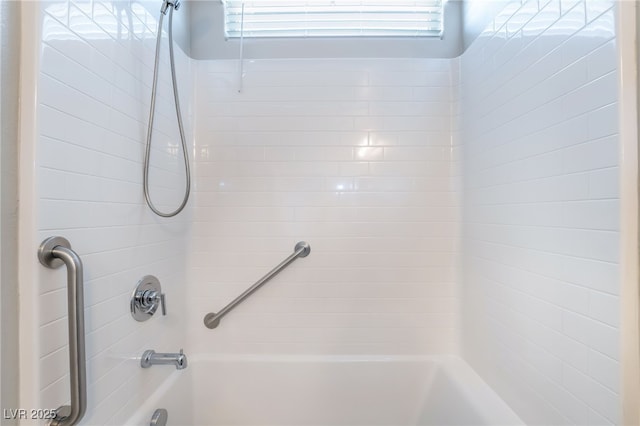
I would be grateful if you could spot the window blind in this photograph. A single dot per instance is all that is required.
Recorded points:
(337, 18)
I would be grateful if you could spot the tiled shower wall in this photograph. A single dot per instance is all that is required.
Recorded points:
(352, 156)
(94, 78)
(359, 158)
(540, 259)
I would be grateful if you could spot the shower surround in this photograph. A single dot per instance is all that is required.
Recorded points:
(82, 179)
(541, 281)
(353, 156)
(455, 207)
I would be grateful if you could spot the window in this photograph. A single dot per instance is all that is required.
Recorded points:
(337, 18)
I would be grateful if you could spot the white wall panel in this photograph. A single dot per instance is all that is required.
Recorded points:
(93, 90)
(353, 156)
(541, 286)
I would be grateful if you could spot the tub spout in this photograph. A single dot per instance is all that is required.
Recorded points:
(151, 357)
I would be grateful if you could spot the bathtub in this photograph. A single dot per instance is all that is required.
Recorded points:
(336, 391)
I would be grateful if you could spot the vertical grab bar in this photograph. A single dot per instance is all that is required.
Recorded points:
(53, 253)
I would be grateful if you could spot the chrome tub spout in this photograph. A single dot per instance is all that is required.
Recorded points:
(151, 357)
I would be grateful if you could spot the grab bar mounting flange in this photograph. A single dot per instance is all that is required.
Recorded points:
(45, 251)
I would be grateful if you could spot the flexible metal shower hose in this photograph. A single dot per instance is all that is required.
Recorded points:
(151, 117)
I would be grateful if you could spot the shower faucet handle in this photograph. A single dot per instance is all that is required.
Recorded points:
(150, 300)
(147, 298)
(163, 303)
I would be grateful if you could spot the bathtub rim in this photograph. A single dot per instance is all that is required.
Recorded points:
(481, 397)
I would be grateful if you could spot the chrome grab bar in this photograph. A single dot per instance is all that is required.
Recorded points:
(53, 253)
(212, 319)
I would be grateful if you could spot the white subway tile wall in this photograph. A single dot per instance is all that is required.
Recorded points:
(384, 166)
(538, 122)
(352, 156)
(93, 98)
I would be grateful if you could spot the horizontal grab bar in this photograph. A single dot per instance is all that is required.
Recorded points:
(212, 319)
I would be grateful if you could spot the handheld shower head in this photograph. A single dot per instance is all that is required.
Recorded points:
(167, 3)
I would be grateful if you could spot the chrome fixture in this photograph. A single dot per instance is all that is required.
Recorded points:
(171, 5)
(53, 253)
(146, 298)
(165, 5)
(212, 319)
(151, 357)
(159, 417)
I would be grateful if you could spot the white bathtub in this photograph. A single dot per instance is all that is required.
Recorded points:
(340, 391)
